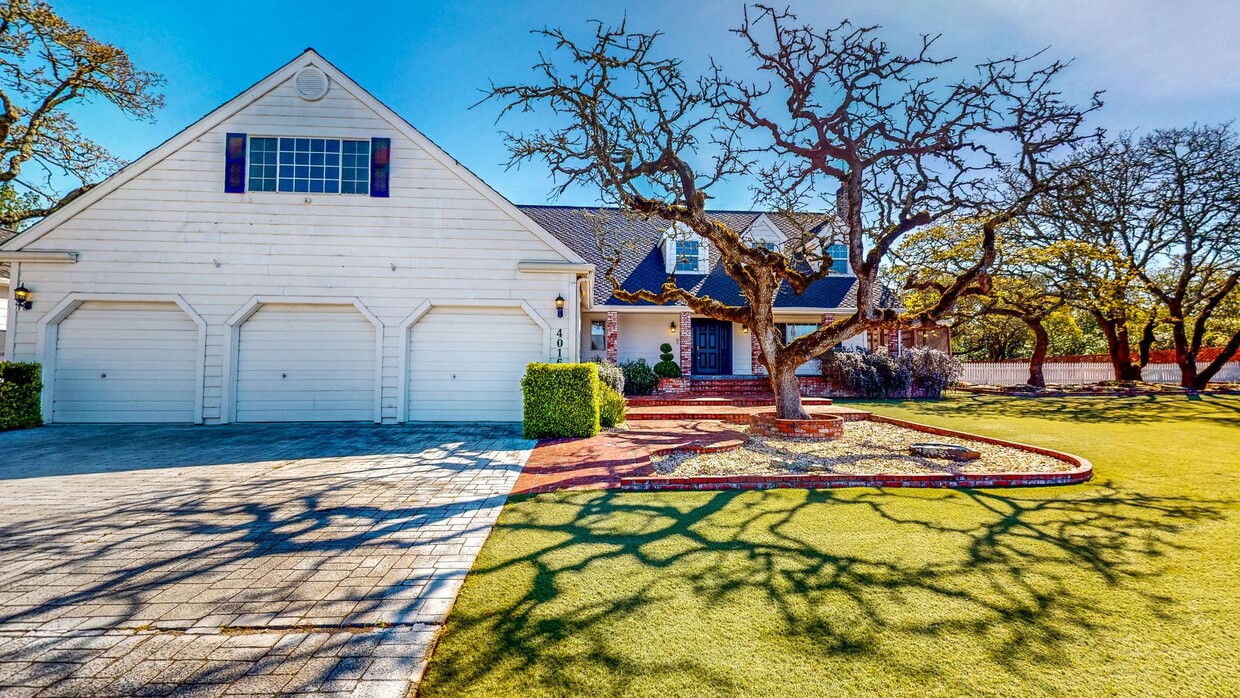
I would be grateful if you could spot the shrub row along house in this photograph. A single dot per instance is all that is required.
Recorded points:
(304, 254)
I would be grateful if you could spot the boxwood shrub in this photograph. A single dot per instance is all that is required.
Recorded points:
(560, 400)
(612, 407)
(20, 386)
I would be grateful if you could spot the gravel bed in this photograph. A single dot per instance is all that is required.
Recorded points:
(866, 448)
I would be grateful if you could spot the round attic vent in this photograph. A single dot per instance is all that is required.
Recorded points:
(311, 83)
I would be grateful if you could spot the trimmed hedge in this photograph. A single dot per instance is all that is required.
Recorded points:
(560, 400)
(20, 388)
(612, 407)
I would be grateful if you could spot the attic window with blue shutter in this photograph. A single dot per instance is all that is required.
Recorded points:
(310, 165)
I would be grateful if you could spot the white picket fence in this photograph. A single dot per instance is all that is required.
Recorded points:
(1017, 373)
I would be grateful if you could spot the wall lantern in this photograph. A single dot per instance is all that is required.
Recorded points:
(744, 329)
(21, 294)
(559, 306)
(672, 327)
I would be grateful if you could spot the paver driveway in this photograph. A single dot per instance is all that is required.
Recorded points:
(242, 559)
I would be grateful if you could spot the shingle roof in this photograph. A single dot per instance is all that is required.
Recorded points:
(643, 267)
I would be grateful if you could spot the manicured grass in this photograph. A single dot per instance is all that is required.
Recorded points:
(1127, 585)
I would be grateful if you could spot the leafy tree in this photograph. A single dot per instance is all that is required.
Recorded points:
(845, 124)
(1018, 291)
(47, 65)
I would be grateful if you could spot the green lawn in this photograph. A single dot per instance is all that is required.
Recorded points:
(1127, 585)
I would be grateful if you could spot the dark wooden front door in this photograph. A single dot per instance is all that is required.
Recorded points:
(712, 347)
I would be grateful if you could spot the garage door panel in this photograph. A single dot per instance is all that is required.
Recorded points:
(486, 349)
(125, 362)
(306, 364)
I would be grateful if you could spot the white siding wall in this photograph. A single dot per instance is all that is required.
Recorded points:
(4, 317)
(640, 334)
(173, 230)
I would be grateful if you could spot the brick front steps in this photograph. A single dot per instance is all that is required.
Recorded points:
(732, 414)
(715, 400)
(1082, 471)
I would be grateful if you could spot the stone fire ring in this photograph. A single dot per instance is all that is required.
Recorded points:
(819, 426)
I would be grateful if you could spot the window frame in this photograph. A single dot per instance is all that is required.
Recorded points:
(695, 257)
(603, 325)
(844, 261)
(306, 184)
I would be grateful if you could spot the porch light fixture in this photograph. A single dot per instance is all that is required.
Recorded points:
(672, 327)
(744, 329)
(21, 294)
(559, 306)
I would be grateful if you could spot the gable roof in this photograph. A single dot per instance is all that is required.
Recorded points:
(644, 267)
(249, 96)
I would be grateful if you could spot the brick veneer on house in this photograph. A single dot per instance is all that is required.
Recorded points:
(686, 344)
(755, 356)
(611, 333)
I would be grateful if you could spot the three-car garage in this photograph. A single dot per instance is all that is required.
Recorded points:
(296, 360)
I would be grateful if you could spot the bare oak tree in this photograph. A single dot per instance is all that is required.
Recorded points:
(1149, 236)
(46, 66)
(842, 123)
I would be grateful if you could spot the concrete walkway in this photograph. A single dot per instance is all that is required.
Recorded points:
(256, 559)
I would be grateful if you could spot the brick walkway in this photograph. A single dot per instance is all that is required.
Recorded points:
(256, 559)
(599, 462)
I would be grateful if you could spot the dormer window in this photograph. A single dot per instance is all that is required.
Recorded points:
(684, 252)
(307, 165)
(839, 258)
(687, 255)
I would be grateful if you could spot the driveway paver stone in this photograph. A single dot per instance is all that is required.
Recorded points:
(247, 559)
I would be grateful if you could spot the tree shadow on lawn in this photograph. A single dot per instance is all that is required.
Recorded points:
(1145, 409)
(850, 574)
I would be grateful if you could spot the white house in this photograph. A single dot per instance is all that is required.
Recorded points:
(299, 254)
(304, 254)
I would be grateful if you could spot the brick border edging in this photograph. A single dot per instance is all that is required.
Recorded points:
(822, 427)
(1083, 471)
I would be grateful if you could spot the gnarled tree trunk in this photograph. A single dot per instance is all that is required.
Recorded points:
(1041, 344)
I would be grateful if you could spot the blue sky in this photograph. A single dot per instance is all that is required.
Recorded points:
(1161, 63)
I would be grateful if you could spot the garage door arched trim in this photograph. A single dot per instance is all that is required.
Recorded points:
(46, 338)
(252, 306)
(424, 308)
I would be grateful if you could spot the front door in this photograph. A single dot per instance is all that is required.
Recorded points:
(712, 347)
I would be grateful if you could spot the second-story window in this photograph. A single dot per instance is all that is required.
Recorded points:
(839, 258)
(687, 253)
(310, 165)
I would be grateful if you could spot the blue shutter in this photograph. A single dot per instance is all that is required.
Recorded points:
(380, 165)
(234, 163)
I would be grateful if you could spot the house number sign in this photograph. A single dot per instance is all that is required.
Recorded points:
(559, 346)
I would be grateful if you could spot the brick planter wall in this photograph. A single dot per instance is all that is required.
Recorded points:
(820, 426)
(1082, 470)
(673, 386)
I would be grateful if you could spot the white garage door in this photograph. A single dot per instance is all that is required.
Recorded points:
(125, 362)
(306, 363)
(465, 364)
